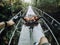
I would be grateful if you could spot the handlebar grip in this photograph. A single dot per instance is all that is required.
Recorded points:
(16, 18)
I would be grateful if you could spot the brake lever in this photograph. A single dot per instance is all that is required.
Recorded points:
(17, 17)
(39, 18)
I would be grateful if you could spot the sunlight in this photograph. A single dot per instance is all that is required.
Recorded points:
(27, 1)
(30, 12)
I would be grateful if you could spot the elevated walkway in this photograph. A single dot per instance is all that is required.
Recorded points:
(48, 23)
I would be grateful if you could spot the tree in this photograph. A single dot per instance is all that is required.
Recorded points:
(47, 5)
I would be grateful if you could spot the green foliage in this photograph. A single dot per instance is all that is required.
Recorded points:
(47, 5)
(16, 7)
(7, 10)
(24, 5)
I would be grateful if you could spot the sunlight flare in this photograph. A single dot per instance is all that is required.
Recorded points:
(27, 1)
